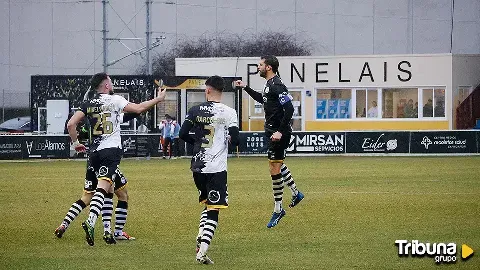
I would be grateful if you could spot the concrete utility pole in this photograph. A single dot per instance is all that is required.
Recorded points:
(105, 39)
(149, 38)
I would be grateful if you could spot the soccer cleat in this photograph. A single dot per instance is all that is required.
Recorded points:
(275, 218)
(124, 236)
(203, 259)
(60, 231)
(89, 233)
(296, 199)
(108, 238)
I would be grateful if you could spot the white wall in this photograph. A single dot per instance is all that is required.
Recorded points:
(64, 37)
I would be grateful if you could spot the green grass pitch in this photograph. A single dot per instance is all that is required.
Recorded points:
(354, 210)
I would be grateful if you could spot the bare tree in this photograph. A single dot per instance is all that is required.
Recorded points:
(266, 43)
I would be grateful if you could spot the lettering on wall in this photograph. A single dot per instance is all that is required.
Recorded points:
(301, 71)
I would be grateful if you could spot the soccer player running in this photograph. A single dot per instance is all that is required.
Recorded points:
(120, 190)
(103, 112)
(277, 103)
(214, 125)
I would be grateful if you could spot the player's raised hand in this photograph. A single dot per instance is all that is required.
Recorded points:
(239, 84)
(161, 93)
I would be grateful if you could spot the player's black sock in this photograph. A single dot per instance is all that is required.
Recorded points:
(73, 212)
(120, 216)
(107, 212)
(208, 230)
(277, 184)
(288, 179)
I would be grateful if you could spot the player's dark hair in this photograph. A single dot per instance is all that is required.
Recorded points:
(97, 79)
(216, 82)
(272, 61)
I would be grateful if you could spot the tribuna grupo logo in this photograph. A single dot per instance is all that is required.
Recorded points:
(441, 252)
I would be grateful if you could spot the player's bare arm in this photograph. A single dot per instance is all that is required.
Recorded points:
(254, 94)
(72, 130)
(144, 106)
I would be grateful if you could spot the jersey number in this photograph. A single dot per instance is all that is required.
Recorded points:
(102, 126)
(209, 137)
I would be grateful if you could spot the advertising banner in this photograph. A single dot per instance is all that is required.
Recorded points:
(11, 147)
(300, 142)
(252, 142)
(317, 142)
(378, 142)
(443, 142)
(478, 141)
(46, 147)
(148, 145)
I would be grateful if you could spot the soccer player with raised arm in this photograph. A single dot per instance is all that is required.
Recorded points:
(277, 104)
(103, 112)
(214, 126)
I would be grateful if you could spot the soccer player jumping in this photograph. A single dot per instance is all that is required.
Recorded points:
(277, 103)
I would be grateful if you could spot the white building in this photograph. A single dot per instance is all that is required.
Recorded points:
(335, 93)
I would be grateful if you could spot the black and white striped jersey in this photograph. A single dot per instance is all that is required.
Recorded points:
(211, 121)
(103, 112)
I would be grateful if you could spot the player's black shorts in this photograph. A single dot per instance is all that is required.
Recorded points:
(212, 189)
(277, 150)
(103, 165)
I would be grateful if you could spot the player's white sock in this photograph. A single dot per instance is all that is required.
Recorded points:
(278, 207)
(95, 205)
(288, 179)
(277, 185)
(208, 231)
(120, 216)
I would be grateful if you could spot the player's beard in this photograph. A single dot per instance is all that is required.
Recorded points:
(263, 73)
(111, 92)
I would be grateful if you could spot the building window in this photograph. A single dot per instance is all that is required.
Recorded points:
(367, 103)
(400, 103)
(333, 103)
(195, 97)
(434, 102)
(168, 106)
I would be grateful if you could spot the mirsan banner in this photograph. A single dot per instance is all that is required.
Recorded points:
(444, 142)
(378, 142)
(300, 142)
(317, 142)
